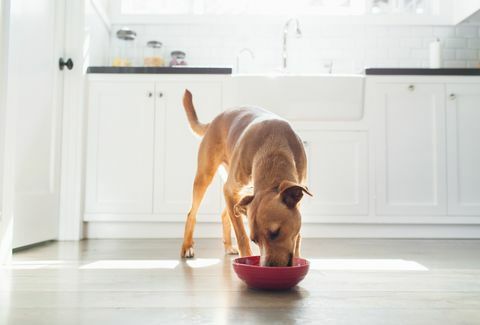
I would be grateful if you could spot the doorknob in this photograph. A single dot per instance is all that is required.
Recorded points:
(62, 64)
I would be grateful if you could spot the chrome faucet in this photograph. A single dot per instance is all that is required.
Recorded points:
(247, 50)
(298, 34)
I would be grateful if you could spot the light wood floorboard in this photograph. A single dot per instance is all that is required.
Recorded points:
(427, 282)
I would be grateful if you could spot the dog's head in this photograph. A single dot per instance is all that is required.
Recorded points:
(274, 220)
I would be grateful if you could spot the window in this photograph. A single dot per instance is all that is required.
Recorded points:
(239, 7)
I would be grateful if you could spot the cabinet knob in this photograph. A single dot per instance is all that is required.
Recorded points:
(452, 96)
(411, 87)
(149, 94)
(160, 94)
(305, 143)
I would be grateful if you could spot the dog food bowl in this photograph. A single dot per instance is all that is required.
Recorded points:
(255, 276)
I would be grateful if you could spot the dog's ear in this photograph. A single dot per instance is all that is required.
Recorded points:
(241, 207)
(291, 193)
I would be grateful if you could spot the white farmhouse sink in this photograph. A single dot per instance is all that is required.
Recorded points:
(299, 97)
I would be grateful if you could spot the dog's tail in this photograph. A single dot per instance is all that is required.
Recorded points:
(197, 127)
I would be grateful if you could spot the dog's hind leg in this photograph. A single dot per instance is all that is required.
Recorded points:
(206, 170)
(227, 234)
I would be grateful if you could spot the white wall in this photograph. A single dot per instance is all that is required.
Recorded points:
(97, 32)
(351, 47)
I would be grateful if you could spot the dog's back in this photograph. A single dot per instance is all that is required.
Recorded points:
(254, 126)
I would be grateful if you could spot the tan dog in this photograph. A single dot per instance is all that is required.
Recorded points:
(256, 148)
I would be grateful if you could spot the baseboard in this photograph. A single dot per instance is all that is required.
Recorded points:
(214, 230)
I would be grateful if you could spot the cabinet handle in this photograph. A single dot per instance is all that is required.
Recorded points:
(452, 96)
(149, 94)
(160, 94)
(411, 87)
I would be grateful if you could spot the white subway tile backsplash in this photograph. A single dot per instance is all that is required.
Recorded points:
(411, 42)
(473, 64)
(474, 43)
(422, 31)
(466, 31)
(456, 43)
(399, 53)
(466, 54)
(410, 63)
(399, 31)
(376, 31)
(448, 54)
(443, 32)
(455, 64)
(350, 47)
(376, 53)
(419, 54)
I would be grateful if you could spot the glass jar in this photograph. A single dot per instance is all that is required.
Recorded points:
(153, 55)
(125, 48)
(178, 58)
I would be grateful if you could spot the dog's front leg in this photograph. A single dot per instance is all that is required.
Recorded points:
(296, 253)
(227, 234)
(237, 223)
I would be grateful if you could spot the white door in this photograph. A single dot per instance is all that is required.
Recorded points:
(120, 148)
(410, 149)
(176, 148)
(337, 173)
(463, 136)
(6, 159)
(35, 88)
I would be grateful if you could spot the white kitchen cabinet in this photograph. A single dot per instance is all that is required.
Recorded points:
(120, 146)
(141, 153)
(337, 173)
(463, 145)
(410, 148)
(176, 147)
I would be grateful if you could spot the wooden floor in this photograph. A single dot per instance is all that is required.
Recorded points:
(351, 281)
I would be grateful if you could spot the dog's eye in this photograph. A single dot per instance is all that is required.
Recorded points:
(273, 234)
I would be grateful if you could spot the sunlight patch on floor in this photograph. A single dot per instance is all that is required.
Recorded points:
(366, 265)
(131, 264)
(202, 262)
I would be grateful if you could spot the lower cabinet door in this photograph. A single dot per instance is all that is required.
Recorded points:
(176, 149)
(409, 149)
(337, 173)
(463, 149)
(120, 148)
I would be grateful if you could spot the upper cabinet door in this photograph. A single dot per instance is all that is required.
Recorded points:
(463, 117)
(410, 149)
(176, 148)
(120, 147)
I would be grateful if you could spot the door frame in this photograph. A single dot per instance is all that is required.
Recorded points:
(73, 125)
(7, 144)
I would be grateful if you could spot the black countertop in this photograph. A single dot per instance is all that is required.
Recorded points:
(160, 70)
(422, 72)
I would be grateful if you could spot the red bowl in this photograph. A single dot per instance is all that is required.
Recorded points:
(270, 277)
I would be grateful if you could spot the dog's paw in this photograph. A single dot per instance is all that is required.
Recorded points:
(231, 250)
(187, 252)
